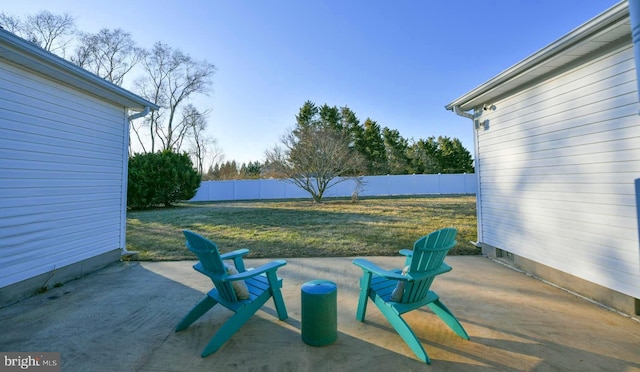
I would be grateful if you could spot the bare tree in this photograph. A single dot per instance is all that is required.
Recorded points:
(11, 23)
(210, 153)
(136, 126)
(52, 32)
(172, 77)
(110, 54)
(201, 147)
(314, 158)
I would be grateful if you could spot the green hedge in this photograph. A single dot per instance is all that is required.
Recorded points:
(160, 179)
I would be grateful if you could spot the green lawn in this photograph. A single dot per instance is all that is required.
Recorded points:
(299, 228)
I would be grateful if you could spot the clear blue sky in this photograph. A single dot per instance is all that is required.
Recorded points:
(397, 62)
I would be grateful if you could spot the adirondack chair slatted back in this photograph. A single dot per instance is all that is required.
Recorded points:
(209, 256)
(429, 253)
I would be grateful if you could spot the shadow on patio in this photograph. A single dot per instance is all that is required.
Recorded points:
(122, 318)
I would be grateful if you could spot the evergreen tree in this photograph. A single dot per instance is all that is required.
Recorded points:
(351, 125)
(371, 146)
(423, 157)
(228, 171)
(252, 170)
(306, 116)
(329, 117)
(442, 155)
(396, 149)
(454, 158)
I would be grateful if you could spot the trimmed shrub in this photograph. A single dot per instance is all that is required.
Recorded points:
(160, 179)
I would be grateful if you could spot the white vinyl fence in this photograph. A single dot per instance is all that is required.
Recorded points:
(417, 184)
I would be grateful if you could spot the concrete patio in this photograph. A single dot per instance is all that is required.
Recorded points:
(122, 318)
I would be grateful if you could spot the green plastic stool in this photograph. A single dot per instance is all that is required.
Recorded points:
(319, 312)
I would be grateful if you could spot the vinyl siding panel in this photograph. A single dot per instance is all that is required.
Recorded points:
(558, 161)
(62, 159)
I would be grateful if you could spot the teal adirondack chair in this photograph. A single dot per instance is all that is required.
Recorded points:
(262, 283)
(396, 292)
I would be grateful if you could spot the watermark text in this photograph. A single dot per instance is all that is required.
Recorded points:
(30, 361)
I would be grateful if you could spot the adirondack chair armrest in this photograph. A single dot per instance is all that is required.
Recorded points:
(444, 268)
(369, 266)
(406, 252)
(271, 266)
(233, 254)
(237, 257)
(199, 268)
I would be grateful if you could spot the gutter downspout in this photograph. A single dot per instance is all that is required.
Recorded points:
(467, 115)
(140, 114)
(459, 112)
(125, 254)
(634, 15)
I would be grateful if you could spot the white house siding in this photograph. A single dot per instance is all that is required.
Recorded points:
(558, 163)
(61, 175)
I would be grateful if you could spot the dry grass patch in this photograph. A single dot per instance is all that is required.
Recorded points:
(295, 228)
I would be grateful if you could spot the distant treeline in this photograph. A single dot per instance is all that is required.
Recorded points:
(384, 150)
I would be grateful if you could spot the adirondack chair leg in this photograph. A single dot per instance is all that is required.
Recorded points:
(403, 330)
(233, 324)
(365, 284)
(278, 301)
(447, 316)
(201, 307)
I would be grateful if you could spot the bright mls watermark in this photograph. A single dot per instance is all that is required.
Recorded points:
(29, 361)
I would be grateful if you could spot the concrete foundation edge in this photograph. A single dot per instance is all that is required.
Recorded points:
(40, 283)
(605, 296)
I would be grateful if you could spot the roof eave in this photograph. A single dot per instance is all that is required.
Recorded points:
(31, 56)
(521, 71)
